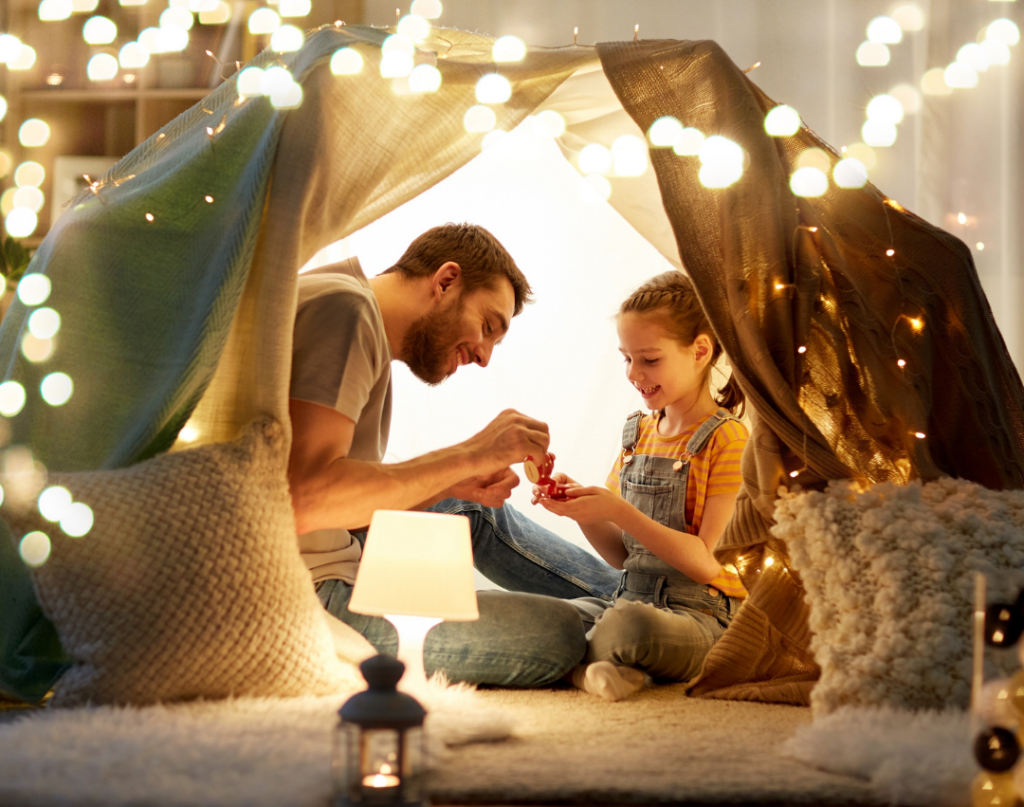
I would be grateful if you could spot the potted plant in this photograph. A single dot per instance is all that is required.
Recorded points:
(14, 260)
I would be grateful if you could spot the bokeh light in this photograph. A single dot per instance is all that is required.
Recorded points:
(814, 158)
(689, 142)
(595, 159)
(428, 9)
(44, 323)
(850, 173)
(56, 389)
(29, 174)
(960, 76)
(808, 181)
(35, 548)
(286, 97)
(12, 398)
(53, 502)
(782, 121)
(424, 78)
(908, 97)
(508, 49)
(595, 188)
(396, 64)
(36, 350)
(479, 119)
(287, 39)
(974, 56)
(344, 62)
(3, 107)
(885, 30)
(629, 156)
(872, 54)
(99, 30)
(5, 163)
(997, 52)
(414, 27)
(250, 81)
(34, 289)
(1003, 30)
(89, 6)
(102, 67)
(217, 15)
(721, 162)
(32, 198)
(24, 60)
(399, 43)
(665, 131)
(294, 8)
(879, 134)
(885, 108)
(133, 55)
(264, 21)
(77, 520)
(34, 133)
(275, 79)
(20, 222)
(53, 10)
(10, 47)
(171, 38)
(7, 201)
(493, 88)
(549, 124)
(933, 82)
(909, 16)
(176, 15)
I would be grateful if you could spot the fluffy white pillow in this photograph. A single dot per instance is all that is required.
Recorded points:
(889, 575)
(189, 584)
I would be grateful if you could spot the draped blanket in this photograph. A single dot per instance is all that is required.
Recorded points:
(175, 281)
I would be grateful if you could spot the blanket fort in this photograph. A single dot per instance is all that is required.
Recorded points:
(858, 331)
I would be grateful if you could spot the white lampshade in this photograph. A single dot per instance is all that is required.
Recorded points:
(416, 564)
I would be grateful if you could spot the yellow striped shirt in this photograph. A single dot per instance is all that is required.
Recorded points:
(714, 470)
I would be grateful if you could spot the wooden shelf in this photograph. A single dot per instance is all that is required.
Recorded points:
(100, 96)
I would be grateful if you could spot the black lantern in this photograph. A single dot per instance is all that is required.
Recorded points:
(379, 744)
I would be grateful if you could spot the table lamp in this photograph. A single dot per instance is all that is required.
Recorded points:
(416, 571)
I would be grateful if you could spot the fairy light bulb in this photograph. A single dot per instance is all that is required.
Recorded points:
(901, 363)
(890, 252)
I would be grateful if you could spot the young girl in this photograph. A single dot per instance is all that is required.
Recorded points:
(667, 500)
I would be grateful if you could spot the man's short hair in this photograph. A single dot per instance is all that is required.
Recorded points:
(480, 256)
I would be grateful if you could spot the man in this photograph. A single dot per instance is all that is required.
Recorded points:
(447, 302)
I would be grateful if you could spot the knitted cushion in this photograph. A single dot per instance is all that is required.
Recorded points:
(889, 575)
(189, 583)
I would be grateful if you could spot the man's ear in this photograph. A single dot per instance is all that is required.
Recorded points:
(446, 278)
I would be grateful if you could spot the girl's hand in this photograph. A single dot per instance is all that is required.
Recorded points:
(586, 505)
(560, 478)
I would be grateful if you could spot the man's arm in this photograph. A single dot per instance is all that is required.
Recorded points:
(331, 491)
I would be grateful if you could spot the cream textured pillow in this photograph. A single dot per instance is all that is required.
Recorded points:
(889, 575)
(190, 582)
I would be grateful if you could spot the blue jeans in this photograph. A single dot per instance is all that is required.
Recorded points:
(528, 636)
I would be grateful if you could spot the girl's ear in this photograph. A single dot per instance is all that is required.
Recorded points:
(703, 348)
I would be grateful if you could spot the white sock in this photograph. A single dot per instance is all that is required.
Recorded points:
(607, 680)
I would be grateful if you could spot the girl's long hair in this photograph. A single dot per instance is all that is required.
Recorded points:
(671, 295)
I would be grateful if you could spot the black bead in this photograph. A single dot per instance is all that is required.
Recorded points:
(1004, 624)
(996, 749)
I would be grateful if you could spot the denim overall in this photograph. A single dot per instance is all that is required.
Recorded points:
(671, 640)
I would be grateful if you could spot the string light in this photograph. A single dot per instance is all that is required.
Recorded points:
(801, 349)
(890, 252)
(917, 324)
(636, 32)
(209, 200)
(575, 33)
(149, 217)
(920, 435)
(901, 363)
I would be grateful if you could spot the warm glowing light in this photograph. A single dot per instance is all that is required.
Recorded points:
(188, 433)
(133, 55)
(34, 133)
(885, 108)
(801, 349)
(294, 8)
(908, 16)
(20, 222)
(814, 158)
(864, 153)
(428, 9)
(251, 78)
(34, 549)
(721, 162)
(34, 289)
(629, 156)
(44, 323)
(286, 96)
(122, 2)
(689, 142)
(149, 38)
(36, 350)
(208, 199)
(980, 246)
(665, 131)
(920, 435)
(7, 201)
(176, 15)
(99, 31)
(850, 173)
(400, 43)
(508, 49)
(217, 15)
(3, 111)
(908, 98)
(493, 88)
(414, 27)
(933, 82)
(890, 252)
(872, 54)
(89, 6)
(396, 63)
(171, 38)
(275, 79)
(54, 502)
(780, 286)
(901, 363)
(479, 119)
(885, 30)
(6, 162)
(974, 56)
(10, 48)
(424, 78)
(77, 520)
(808, 181)
(878, 133)
(595, 159)
(102, 67)
(56, 389)
(595, 188)
(52, 10)
(770, 561)
(1005, 31)
(149, 217)
(961, 218)
(12, 398)
(549, 124)
(959, 75)
(286, 39)
(264, 21)
(344, 62)
(782, 121)
(996, 52)
(917, 323)
(794, 474)
(32, 198)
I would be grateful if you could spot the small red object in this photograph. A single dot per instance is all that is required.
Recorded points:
(540, 474)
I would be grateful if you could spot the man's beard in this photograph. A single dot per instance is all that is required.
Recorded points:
(430, 342)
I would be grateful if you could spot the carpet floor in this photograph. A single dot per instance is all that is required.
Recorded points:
(567, 747)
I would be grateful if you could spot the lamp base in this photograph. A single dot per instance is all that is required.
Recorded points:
(412, 632)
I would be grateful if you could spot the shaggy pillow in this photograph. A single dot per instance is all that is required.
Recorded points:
(889, 575)
(189, 584)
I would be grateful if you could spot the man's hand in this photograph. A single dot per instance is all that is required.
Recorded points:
(586, 505)
(506, 440)
(491, 491)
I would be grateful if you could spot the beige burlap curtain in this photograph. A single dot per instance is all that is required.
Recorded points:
(859, 332)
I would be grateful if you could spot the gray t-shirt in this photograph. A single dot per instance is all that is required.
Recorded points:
(341, 359)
